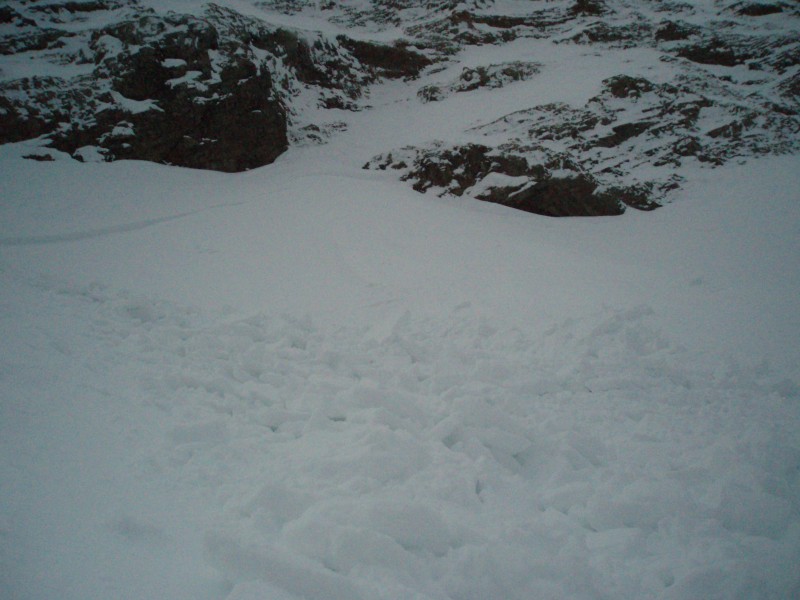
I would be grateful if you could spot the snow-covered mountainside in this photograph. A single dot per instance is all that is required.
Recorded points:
(702, 81)
(213, 89)
(332, 360)
(230, 86)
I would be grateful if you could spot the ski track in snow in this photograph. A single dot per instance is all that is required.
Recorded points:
(75, 236)
(439, 458)
(86, 235)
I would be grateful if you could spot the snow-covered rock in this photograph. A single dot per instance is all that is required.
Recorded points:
(229, 87)
(216, 90)
(723, 87)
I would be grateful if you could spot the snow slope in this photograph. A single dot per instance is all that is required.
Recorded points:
(309, 381)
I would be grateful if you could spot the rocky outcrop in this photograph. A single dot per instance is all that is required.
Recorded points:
(505, 176)
(169, 101)
(588, 8)
(623, 148)
(394, 61)
(758, 9)
(219, 91)
(162, 88)
(565, 197)
(626, 146)
(487, 77)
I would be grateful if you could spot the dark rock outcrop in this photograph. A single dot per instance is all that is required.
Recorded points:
(165, 103)
(625, 86)
(621, 149)
(487, 77)
(234, 130)
(588, 8)
(715, 51)
(565, 197)
(188, 113)
(759, 9)
(502, 176)
(222, 90)
(216, 92)
(674, 31)
(394, 61)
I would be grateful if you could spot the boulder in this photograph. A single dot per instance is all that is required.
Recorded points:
(508, 178)
(193, 91)
(395, 61)
(759, 9)
(565, 197)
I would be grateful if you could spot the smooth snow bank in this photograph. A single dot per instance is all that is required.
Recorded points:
(315, 236)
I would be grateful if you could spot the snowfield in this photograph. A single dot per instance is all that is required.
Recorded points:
(309, 382)
(213, 389)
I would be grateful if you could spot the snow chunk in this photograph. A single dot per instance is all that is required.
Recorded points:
(171, 63)
(134, 106)
(190, 79)
(124, 129)
(90, 154)
(497, 180)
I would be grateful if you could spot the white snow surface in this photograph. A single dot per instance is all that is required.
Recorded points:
(310, 382)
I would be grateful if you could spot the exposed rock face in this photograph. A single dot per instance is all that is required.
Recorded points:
(473, 78)
(507, 176)
(213, 92)
(759, 9)
(565, 197)
(390, 61)
(169, 102)
(219, 89)
(626, 146)
(588, 8)
(623, 148)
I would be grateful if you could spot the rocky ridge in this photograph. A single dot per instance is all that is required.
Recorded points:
(220, 90)
(732, 94)
(230, 90)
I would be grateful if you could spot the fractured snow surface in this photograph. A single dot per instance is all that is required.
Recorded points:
(309, 382)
